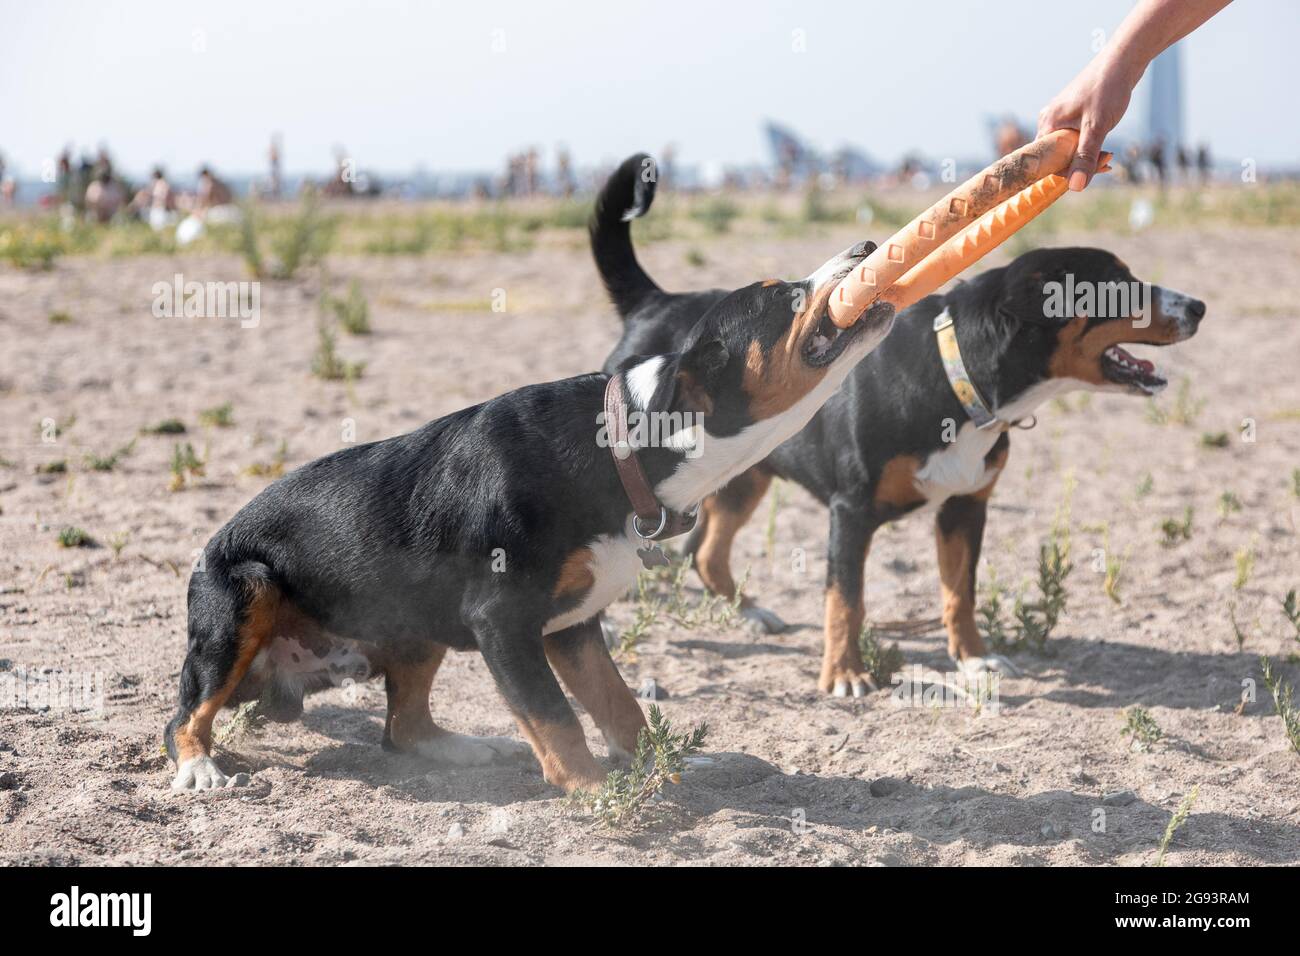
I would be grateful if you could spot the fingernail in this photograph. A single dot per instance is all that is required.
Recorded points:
(1078, 180)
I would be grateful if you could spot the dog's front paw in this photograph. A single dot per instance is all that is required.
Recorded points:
(761, 621)
(462, 750)
(202, 773)
(847, 683)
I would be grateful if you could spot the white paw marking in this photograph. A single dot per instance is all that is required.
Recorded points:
(974, 666)
(616, 753)
(857, 687)
(462, 750)
(202, 773)
(762, 620)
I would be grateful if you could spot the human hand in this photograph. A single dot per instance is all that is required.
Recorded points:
(1093, 103)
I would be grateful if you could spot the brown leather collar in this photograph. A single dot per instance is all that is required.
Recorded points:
(652, 520)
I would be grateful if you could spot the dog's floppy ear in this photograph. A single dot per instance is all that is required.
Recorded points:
(698, 371)
(1028, 299)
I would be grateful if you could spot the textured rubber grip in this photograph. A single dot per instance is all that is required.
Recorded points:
(909, 246)
(979, 239)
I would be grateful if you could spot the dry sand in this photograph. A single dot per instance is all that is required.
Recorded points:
(873, 782)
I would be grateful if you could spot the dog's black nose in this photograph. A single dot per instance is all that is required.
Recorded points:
(1196, 309)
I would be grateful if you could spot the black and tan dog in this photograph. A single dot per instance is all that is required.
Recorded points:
(506, 528)
(922, 421)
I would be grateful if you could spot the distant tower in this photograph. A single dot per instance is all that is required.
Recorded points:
(1165, 106)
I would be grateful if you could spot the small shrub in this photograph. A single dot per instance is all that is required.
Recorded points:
(659, 760)
(1245, 560)
(881, 662)
(327, 364)
(185, 466)
(716, 214)
(1291, 608)
(74, 537)
(1175, 531)
(168, 426)
(1176, 821)
(353, 312)
(1283, 703)
(1141, 727)
(219, 416)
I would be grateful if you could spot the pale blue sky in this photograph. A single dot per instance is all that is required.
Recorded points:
(407, 83)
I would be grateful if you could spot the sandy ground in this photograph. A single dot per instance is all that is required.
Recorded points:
(796, 778)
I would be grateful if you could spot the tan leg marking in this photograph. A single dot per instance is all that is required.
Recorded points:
(841, 658)
(590, 675)
(957, 583)
(562, 751)
(724, 514)
(194, 737)
(409, 723)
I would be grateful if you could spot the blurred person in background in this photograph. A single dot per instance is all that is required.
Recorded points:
(1095, 101)
(105, 197)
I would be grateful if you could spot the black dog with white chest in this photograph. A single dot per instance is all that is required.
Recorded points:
(923, 421)
(503, 528)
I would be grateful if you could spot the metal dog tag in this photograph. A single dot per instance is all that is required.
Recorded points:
(653, 557)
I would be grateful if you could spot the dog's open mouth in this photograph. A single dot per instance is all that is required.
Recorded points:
(829, 340)
(1123, 368)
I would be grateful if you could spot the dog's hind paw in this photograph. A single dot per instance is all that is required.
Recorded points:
(761, 620)
(462, 750)
(202, 773)
(989, 663)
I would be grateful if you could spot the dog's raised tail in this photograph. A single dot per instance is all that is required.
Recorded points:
(627, 194)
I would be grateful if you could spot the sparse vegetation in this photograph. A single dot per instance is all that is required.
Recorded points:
(1238, 634)
(109, 462)
(32, 245)
(219, 416)
(185, 466)
(352, 311)
(272, 469)
(60, 318)
(52, 467)
(1229, 503)
(1141, 727)
(1114, 571)
(302, 239)
(1214, 439)
(1295, 482)
(659, 759)
(1245, 561)
(881, 661)
(168, 426)
(1186, 408)
(1283, 702)
(1175, 822)
(74, 537)
(327, 364)
(716, 213)
(1034, 620)
(1175, 531)
(1291, 608)
(1146, 484)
